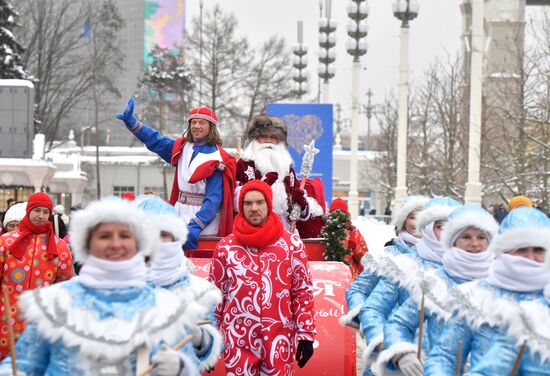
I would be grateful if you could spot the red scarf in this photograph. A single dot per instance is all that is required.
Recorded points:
(26, 230)
(258, 236)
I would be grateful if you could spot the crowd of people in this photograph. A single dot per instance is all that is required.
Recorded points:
(453, 292)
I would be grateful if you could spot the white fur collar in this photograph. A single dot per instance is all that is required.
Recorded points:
(532, 325)
(57, 318)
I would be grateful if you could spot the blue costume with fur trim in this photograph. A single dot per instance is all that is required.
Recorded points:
(75, 330)
(481, 329)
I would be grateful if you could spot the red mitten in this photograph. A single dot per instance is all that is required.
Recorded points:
(298, 198)
(270, 178)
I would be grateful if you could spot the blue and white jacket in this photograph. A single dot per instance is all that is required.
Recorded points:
(489, 324)
(75, 330)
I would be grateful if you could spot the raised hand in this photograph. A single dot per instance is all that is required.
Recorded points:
(128, 115)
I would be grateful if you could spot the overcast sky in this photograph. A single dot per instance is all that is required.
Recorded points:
(435, 33)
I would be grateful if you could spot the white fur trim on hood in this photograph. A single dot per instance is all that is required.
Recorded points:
(514, 239)
(172, 224)
(432, 214)
(112, 210)
(453, 228)
(401, 215)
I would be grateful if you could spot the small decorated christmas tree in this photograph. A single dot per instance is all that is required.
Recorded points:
(334, 234)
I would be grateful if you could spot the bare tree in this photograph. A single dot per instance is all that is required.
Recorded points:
(437, 132)
(54, 57)
(268, 80)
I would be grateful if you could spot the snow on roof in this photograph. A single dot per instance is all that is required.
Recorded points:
(13, 82)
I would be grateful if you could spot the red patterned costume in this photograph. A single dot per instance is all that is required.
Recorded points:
(267, 305)
(38, 261)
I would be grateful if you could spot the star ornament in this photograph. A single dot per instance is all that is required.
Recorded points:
(310, 149)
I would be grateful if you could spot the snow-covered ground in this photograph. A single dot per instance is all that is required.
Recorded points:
(376, 233)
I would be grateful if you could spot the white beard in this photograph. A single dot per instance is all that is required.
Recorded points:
(269, 158)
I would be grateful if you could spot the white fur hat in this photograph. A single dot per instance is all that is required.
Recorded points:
(15, 213)
(59, 209)
(164, 216)
(409, 205)
(522, 227)
(112, 210)
(437, 209)
(466, 216)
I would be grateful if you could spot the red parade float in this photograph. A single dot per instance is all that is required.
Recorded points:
(335, 347)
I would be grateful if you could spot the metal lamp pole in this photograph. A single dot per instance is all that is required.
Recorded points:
(327, 53)
(356, 46)
(300, 63)
(404, 10)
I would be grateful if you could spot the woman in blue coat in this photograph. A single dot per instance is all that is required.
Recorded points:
(171, 270)
(389, 292)
(362, 286)
(465, 236)
(487, 311)
(108, 320)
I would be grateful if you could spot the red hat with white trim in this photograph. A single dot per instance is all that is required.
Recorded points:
(205, 113)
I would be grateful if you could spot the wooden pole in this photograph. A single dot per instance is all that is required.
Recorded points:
(420, 329)
(458, 358)
(204, 322)
(11, 336)
(517, 361)
(178, 346)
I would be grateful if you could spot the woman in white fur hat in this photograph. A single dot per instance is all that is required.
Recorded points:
(465, 238)
(493, 317)
(108, 320)
(13, 216)
(171, 270)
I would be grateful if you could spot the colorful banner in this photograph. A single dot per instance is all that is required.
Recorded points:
(307, 122)
(164, 25)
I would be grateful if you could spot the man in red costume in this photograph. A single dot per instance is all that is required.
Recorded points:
(267, 313)
(266, 158)
(204, 182)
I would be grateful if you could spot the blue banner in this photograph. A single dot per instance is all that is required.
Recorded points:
(307, 122)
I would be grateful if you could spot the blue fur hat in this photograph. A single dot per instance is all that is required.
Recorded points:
(522, 227)
(163, 215)
(409, 205)
(465, 216)
(437, 209)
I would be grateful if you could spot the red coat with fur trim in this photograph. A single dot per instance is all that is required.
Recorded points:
(267, 301)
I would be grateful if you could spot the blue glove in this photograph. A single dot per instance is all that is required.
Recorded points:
(128, 115)
(193, 232)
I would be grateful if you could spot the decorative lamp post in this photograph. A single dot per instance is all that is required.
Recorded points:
(405, 11)
(327, 53)
(356, 46)
(472, 195)
(300, 63)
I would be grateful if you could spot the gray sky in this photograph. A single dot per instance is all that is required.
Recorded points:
(435, 33)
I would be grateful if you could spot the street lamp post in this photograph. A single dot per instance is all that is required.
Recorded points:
(300, 63)
(405, 11)
(356, 46)
(327, 53)
(472, 195)
(369, 110)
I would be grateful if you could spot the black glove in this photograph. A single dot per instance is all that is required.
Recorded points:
(299, 198)
(304, 352)
(270, 178)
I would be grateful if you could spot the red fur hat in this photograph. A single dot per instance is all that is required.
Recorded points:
(205, 113)
(39, 199)
(257, 185)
